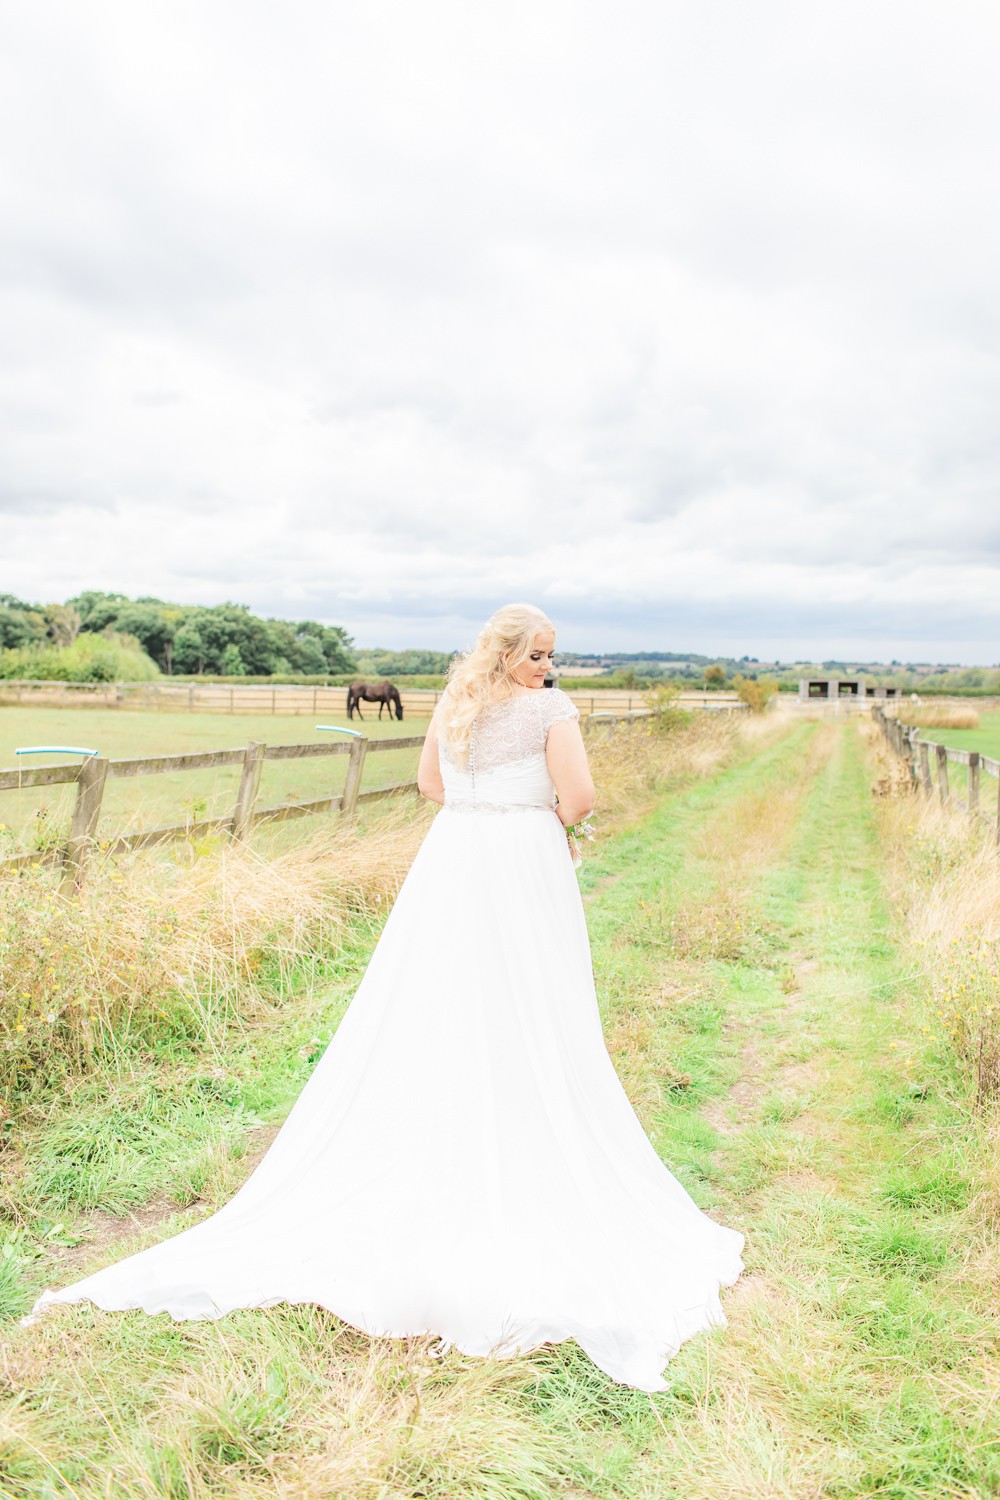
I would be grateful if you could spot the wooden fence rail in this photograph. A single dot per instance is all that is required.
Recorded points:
(907, 743)
(91, 778)
(95, 772)
(289, 698)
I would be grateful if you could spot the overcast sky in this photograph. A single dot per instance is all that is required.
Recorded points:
(680, 320)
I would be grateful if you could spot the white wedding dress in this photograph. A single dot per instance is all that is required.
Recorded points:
(463, 1159)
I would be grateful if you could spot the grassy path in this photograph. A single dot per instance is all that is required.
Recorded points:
(862, 1353)
(769, 1035)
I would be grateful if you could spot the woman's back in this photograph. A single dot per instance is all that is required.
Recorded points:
(504, 769)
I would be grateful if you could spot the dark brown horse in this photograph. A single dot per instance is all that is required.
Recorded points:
(383, 693)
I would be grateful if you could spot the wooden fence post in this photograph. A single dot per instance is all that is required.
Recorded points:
(352, 786)
(925, 766)
(253, 764)
(90, 790)
(942, 770)
(973, 782)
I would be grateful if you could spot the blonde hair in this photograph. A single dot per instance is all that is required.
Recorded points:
(484, 675)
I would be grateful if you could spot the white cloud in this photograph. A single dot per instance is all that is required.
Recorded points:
(679, 319)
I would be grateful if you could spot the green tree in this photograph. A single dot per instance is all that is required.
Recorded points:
(189, 649)
(334, 642)
(97, 609)
(185, 638)
(379, 663)
(715, 675)
(20, 626)
(63, 621)
(309, 656)
(232, 662)
(150, 625)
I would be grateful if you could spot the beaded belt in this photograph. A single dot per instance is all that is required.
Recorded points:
(497, 807)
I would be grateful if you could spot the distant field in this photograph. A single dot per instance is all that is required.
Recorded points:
(140, 802)
(985, 739)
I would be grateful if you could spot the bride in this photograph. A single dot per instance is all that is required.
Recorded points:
(463, 1160)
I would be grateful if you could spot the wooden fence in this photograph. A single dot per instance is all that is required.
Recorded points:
(920, 755)
(93, 774)
(208, 697)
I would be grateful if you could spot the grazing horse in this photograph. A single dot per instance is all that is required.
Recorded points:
(383, 693)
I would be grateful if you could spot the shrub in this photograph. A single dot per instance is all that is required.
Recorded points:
(755, 692)
(91, 658)
(662, 695)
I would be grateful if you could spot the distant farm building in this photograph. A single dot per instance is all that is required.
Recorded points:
(843, 687)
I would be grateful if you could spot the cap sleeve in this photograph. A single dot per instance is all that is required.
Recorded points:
(556, 706)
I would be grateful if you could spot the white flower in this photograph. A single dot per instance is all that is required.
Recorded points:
(50, 1016)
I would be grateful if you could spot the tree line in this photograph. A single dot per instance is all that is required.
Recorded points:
(106, 637)
(219, 640)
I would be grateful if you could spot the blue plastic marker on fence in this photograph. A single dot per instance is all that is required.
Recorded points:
(55, 750)
(336, 729)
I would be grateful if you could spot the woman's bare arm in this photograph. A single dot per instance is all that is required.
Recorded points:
(429, 770)
(566, 757)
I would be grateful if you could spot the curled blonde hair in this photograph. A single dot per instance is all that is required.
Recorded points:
(484, 675)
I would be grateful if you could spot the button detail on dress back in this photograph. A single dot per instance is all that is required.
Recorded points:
(506, 737)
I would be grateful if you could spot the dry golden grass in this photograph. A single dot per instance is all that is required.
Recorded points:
(633, 760)
(210, 939)
(946, 886)
(938, 716)
(643, 1053)
(150, 945)
(307, 1407)
(741, 842)
(838, 1374)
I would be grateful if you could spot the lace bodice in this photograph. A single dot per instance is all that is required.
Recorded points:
(505, 770)
(514, 728)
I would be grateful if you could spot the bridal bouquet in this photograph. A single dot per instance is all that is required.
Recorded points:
(575, 833)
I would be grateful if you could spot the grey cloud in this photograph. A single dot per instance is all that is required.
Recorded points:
(28, 503)
(688, 315)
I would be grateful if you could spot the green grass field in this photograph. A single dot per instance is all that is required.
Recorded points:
(985, 739)
(772, 1026)
(139, 802)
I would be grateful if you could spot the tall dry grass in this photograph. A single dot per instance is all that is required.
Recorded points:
(152, 947)
(945, 875)
(938, 716)
(634, 759)
(293, 1404)
(195, 946)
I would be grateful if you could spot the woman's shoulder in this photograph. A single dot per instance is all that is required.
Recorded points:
(556, 705)
(547, 704)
